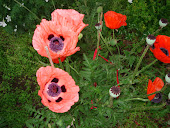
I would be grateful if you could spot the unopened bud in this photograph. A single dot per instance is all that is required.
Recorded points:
(114, 91)
(98, 26)
(99, 9)
(113, 42)
(163, 22)
(150, 39)
(167, 78)
(80, 36)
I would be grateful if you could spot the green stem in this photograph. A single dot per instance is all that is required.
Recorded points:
(74, 70)
(137, 99)
(49, 56)
(53, 4)
(111, 102)
(106, 43)
(27, 9)
(146, 67)
(139, 62)
(98, 40)
(144, 108)
(61, 65)
(139, 43)
(67, 65)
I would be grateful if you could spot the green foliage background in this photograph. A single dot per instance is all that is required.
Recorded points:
(21, 106)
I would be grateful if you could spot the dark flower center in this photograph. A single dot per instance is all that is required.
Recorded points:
(165, 51)
(164, 20)
(115, 90)
(151, 37)
(53, 89)
(157, 98)
(56, 43)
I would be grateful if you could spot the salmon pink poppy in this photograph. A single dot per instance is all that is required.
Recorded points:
(153, 87)
(114, 20)
(161, 48)
(60, 40)
(57, 89)
(71, 18)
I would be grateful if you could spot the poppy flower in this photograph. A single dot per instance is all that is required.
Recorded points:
(60, 40)
(153, 87)
(161, 48)
(60, 34)
(57, 89)
(114, 20)
(71, 18)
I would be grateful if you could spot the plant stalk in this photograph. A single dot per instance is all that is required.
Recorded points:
(49, 57)
(139, 62)
(146, 67)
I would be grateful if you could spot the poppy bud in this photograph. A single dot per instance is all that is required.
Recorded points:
(130, 1)
(163, 22)
(99, 9)
(80, 36)
(113, 42)
(114, 91)
(150, 39)
(98, 26)
(167, 78)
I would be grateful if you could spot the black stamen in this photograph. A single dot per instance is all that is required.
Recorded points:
(55, 80)
(63, 89)
(165, 51)
(50, 36)
(49, 100)
(59, 99)
(62, 38)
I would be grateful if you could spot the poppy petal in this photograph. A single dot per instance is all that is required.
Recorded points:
(151, 89)
(158, 83)
(74, 19)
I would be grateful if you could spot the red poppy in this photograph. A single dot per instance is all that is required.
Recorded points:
(114, 20)
(161, 48)
(154, 86)
(71, 18)
(60, 35)
(57, 89)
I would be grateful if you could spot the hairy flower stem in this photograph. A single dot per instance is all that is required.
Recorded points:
(137, 99)
(99, 32)
(53, 4)
(144, 108)
(111, 102)
(106, 44)
(139, 62)
(98, 40)
(139, 43)
(27, 9)
(61, 65)
(116, 46)
(146, 67)
(49, 57)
